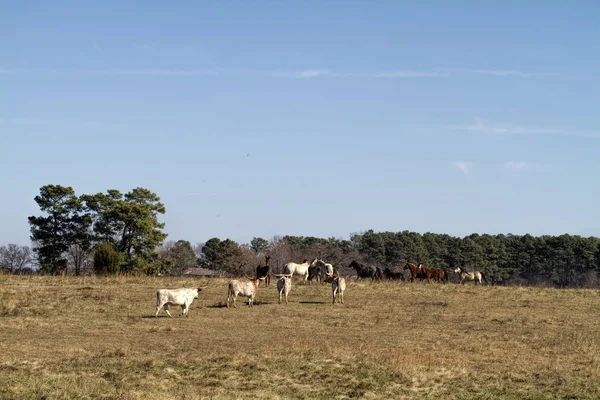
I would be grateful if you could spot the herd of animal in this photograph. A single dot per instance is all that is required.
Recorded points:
(311, 270)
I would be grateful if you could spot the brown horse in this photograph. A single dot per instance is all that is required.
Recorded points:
(415, 272)
(436, 274)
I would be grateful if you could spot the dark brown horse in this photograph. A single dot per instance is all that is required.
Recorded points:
(388, 274)
(415, 273)
(364, 271)
(437, 274)
(263, 272)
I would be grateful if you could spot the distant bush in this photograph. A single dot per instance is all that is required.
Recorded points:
(106, 259)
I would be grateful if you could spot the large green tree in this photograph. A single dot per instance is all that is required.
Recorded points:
(130, 223)
(65, 224)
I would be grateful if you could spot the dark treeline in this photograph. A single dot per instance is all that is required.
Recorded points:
(114, 232)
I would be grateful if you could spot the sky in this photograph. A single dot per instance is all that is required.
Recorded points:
(315, 118)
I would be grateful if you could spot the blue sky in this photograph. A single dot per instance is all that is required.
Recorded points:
(307, 118)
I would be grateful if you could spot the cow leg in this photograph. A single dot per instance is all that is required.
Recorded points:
(333, 302)
(157, 310)
(342, 297)
(166, 308)
(286, 300)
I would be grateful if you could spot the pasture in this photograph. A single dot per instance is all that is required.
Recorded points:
(66, 338)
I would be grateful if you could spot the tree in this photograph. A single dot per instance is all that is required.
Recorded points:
(182, 254)
(106, 259)
(259, 245)
(66, 224)
(130, 223)
(79, 259)
(15, 258)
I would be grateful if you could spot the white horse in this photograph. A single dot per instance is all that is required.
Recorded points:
(292, 268)
(470, 276)
(326, 270)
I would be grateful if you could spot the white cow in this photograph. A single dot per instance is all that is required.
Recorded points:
(338, 286)
(247, 289)
(292, 268)
(284, 285)
(176, 297)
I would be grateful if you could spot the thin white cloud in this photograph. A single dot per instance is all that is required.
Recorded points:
(520, 165)
(154, 72)
(11, 70)
(500, 72)
(312, 73)
(464, 166)
(63, 123)
(490, 128)
(392, 74)
(325, 73)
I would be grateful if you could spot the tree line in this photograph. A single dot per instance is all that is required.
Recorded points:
(114, 232)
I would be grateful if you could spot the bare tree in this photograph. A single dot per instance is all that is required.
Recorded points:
(79, 259)
(14, 258)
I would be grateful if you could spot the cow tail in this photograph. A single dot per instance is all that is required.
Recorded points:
(483, 276)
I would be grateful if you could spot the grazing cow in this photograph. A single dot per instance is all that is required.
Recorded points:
(247, 289)
(338, 286)
(263, 272)
(284, 285)
(389, 274)
(363, 271)
(470, 276)
(292, 268)
(176, 297)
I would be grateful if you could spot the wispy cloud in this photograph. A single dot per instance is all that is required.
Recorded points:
(152, 72)
(503, 129)
(325, 73)
(500, 72)
(62, 123)
(520, 165)
(10, 70)
(312, 73)
(464, 166)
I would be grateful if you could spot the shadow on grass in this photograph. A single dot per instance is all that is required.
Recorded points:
(245, 304)
(312, 302)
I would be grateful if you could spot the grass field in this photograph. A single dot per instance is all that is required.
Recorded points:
(78, 338)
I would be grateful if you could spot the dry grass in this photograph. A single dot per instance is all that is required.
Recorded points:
(65, 338)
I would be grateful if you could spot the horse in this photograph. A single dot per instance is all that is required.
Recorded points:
(387, 273)
(314, 272)
(415, 272)
(437, 274)
(363, 271)
(292, 268)
(326, 269)
(470, 276)
(263, 272)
